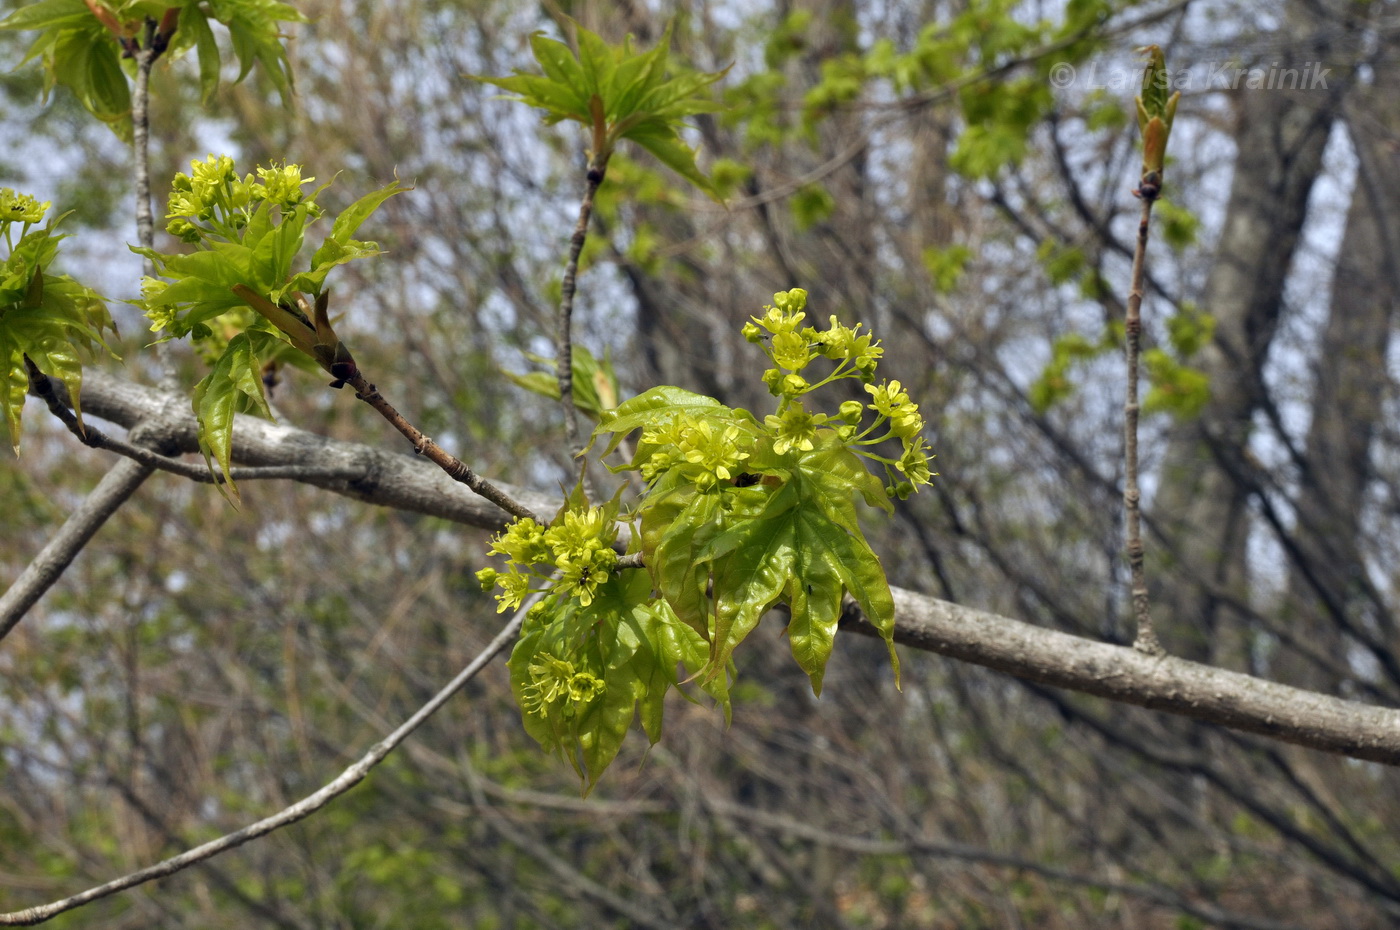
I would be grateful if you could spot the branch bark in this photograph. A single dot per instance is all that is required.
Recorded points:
(1166, 683)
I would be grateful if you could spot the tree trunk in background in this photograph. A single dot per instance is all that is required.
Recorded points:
(1280, 137)
(1327, 572)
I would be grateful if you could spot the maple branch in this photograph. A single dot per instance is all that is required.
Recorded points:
(1146, 639)
(454, 467)
(115, 488)
(564, 359)
(1119, 673)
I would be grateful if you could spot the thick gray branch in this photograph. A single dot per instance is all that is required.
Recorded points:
(1121, 674)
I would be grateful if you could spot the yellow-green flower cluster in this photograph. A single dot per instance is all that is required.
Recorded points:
(577, 548)
(213, 198)
(891, 403)
(20, 208)
(553, 680)
(704, 453)
(792, 347)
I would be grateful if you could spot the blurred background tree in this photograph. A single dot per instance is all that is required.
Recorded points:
(923, 167)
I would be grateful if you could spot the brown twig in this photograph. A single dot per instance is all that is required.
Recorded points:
(42, 387)
(455, 468)
(1146, 638)
(564, 360)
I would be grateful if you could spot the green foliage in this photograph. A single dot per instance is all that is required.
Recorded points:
(1062, 263)
(811, 205)
(595, 382)
(1103, 111)
(945, 266)
(1055, 383)
(1179, 225)
(740, 515)
(619, 94)
(1176, 387)
(248, 234)
(48, 319)
(1189, 330)
(86, 46)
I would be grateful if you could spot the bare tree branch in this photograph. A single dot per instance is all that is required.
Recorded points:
(39, 575)
(454, 467)
(347, 779)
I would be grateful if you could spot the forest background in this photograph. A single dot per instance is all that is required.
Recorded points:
(956, 175)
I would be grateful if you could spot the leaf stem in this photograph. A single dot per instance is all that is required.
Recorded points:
(455, 468)
(564, 364)
(1145, 640)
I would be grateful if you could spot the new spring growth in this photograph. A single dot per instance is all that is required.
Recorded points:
(213, 200)
(709, 456)
(577, 547)
(553, 680)
(1155, 112)
(19, 208)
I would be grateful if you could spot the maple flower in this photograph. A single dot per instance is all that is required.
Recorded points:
(907, 423)
(791, 351)
(20, 208)
(514, 586)
(888, 398)
(581, 575)
(913, 464)
(282, 185)
(552, 679)
(790, 301)
(795, 429)
(522, 542)
(714, 455)
(585, 686)
(549, 681)
(580, 535)
(656, 465)
(777, 321)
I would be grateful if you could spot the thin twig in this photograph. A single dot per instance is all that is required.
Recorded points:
(1146, 638)
(41, 386)
(39, 575)
(455, 468)
(298, 811)
(564, 360)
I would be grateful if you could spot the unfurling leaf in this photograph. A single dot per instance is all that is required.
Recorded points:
(233, 386)
(617, 93)
(1156, 111)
